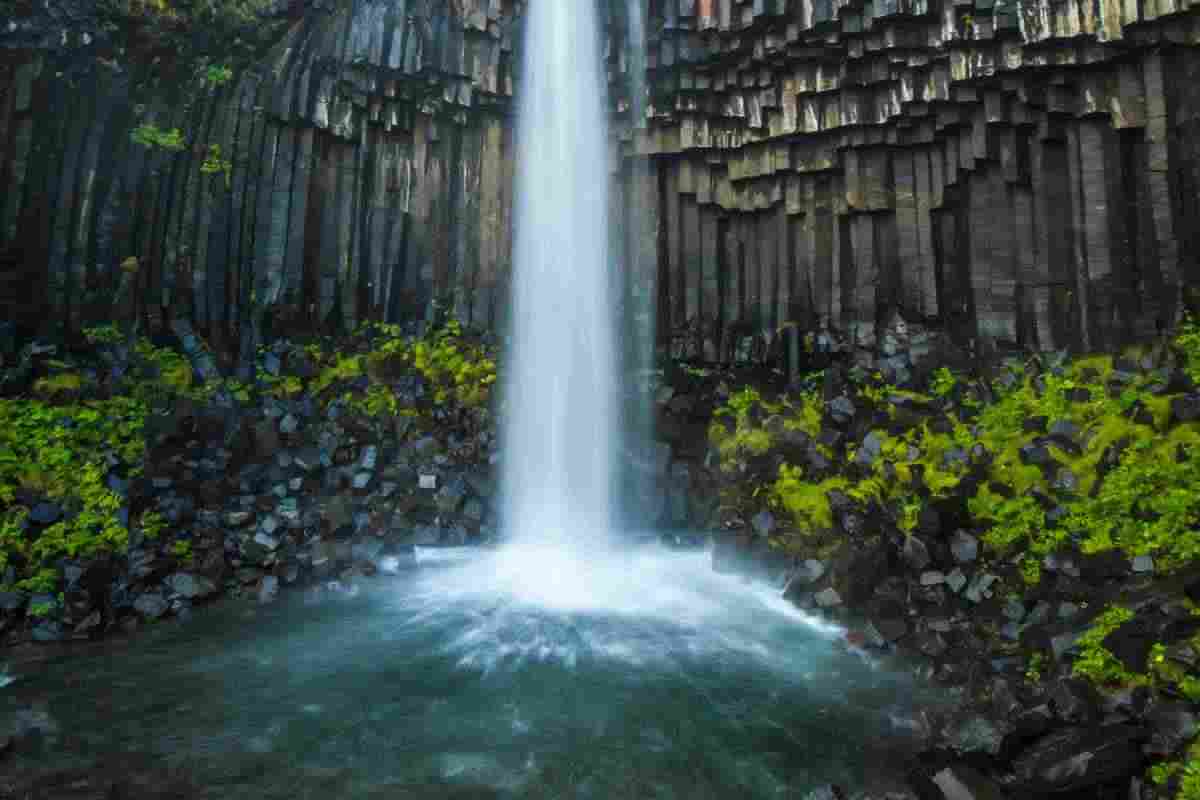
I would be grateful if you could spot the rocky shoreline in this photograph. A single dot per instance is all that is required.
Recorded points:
(1080, 683)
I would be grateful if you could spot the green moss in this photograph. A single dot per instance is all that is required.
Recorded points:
(1187, 344)
(182, 550)
(1095, 662)
(807, 502)
(1148, 505)
(62, 452)
(1184, 773)
(64, 383)
(943, 382)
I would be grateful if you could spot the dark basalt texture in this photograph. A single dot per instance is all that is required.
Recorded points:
(1016, 172)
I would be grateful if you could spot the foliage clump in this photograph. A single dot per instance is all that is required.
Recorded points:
(64, 453)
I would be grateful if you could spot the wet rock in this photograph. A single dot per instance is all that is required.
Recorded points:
(871, 450)
(841, 410)
(763, 523)
(826, 792)
(1065, 481)
(890, 629)
(932, 578)
(426, 535)
(1143, 565)
(1035, 454)
(268, 589)
(1073, 701)
(1131, 644)
(45, 513)
(151, 605)
(827, 598)
(1185, 409)
(1172, 725)
(366, 550)
(191, 587)
(49, 630)
(980, 588)
(930, 643)
(237, 519)
(1074, 759)
(915, 553)
(266, 439)
(451, 496)
(956, 580)
(958, 782)
(289, 424)
(975, 733)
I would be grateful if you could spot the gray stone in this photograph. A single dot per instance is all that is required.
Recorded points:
(48, 630)
(1143, 565)
(45, 513)
(151, 605)
(956, 580)
(1014, 610)
(842, 409)
(872, 448)
(932, 578)
(289, 424)
(268, 589)
(366, 549)
(975, 733)
(915, 554)
(267, 541)
(763, 523)
(474, 510)
(361, 480)
(980, 588)
(827, 598)
(964, 547)
(370, 456)
(961, 782)
(190, 586)
(808, 571)
(268, 524)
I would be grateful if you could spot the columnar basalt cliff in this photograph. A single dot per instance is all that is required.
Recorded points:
(369, 172)
(1021, 172)
(1024, 172)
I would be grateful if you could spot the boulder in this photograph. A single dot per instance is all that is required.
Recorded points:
(957, 782)
(1079, 758)
(189, 586)
(151, 605)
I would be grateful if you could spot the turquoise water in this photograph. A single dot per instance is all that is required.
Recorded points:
(651, 678)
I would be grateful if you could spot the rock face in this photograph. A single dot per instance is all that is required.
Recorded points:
(1019, 171)
(1015, 169)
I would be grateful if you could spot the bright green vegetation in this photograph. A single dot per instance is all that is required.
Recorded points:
(1186, 772)
(152, 136)
(62, 442)
(1128, 482)
(458, 372)
(1095, 662)
(64, 453)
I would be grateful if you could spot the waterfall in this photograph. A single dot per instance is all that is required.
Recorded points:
(561, 429)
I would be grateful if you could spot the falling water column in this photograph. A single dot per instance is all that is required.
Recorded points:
(561, 428)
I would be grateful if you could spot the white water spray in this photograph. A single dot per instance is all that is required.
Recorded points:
(561, 430)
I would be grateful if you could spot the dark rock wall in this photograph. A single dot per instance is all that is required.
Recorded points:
(371, 172)
(1017, 171)
(1024, 172)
